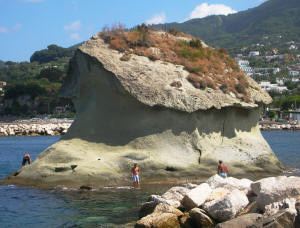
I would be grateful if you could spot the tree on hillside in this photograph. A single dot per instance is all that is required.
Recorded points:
(52, 74)
(51, 54)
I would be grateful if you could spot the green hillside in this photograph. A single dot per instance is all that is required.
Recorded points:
(272, 18)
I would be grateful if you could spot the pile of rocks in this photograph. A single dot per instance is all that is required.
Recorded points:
(278, 126)
(226, 203)
(33, 129)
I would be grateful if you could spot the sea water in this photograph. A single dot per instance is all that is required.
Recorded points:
(108, 207)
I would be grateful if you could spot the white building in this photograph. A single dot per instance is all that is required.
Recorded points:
(253, 53)
(267, 70)
(293, 73)
(245, 67)
(272, 87)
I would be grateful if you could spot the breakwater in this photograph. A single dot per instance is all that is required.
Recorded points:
(272, 125)
(35, 127)
(54, 126)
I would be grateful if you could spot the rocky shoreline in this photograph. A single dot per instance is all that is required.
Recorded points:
(38, 127)
(226, 203)
(35, 127)
(272, 125)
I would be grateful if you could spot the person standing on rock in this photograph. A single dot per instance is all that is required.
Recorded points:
(135, 171)
(26, 158)
(222, 169)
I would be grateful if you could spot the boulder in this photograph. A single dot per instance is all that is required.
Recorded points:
(282, 219)
(158, 199)
(201, 219)
(148, 121)
(275, 189)
(154, 207)
(175, 193)
(186, 221)
(227, 207)
(158, 220)
(217, 193)
(230, 183)
(147, 209)
(196, 197)
(245, 221)
(288, 203)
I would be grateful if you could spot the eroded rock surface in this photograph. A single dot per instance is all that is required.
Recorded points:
(128, 112)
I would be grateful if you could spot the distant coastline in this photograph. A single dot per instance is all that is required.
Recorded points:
(34, 126)
(59, 126)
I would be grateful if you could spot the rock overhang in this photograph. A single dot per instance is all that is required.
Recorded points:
(160, 83)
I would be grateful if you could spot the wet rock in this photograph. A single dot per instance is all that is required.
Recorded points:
(196, 196)
(147, 209)
(158, 220)
(201, 219)
(227, 207)
(62, 169)
(245, 221)
(85, 187)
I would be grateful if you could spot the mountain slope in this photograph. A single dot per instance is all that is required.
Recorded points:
(274, 17)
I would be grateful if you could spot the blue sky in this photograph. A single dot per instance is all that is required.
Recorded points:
(30, 25)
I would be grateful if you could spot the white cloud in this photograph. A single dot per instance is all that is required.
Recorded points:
(74, 26)
(17, 27)
(3, 30)
(205, 10)
(74, 36)
(157, 19)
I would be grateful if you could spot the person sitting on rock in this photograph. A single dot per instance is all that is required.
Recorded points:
(135, 171)
(222, 169)
(27, 159)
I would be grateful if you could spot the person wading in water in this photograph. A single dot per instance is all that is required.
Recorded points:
(135, 171)
(222, 169)
(26, 158)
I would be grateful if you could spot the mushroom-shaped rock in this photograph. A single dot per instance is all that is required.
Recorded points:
(171, 104)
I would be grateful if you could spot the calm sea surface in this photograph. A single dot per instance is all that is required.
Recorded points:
(28, 207)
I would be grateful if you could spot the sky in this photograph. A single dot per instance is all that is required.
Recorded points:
(30, 25)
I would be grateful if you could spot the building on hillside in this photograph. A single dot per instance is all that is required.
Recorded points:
(253, 53)
(60, 109)
(293, 47)
(268, 86)
(295, 115)
(267, 70)
(2, 84)
(294, 73)
(275, 51)
(279, 81)
(245, 67)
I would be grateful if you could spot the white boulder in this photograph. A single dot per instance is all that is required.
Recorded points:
(175, 193)
(227, 207)
(197, 196)
(158, 199)
(230, 183)
(275, 189)
(288, 203)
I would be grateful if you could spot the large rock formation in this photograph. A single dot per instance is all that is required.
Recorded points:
(145, 111)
